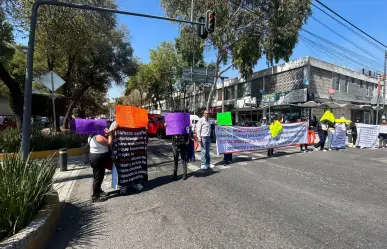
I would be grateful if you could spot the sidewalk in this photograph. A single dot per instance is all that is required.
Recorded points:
(64, 181)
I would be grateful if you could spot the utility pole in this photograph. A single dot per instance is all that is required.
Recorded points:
(384, 82)
(193, 59)
(222, 79)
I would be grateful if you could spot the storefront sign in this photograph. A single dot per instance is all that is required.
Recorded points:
(230, 139)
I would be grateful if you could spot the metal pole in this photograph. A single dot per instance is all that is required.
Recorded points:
(53, 102)
(26, 130)
(384, 82)
(222, 79)
(269, 113)
(101, 9)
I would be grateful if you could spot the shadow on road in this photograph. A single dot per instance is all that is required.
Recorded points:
(80, 226)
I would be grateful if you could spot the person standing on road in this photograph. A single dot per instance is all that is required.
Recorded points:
(382, 136)
(99, 157)
(353, 129)
(319, 128)
(204, 138)
(270, 152)
(180, 146)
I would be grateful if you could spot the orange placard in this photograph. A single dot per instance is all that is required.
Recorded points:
(131, 117)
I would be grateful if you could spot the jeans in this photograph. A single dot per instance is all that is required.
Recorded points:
(205, 151)
(328, 142)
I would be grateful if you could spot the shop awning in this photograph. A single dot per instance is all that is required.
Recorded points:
(350, 106)
(309, 104)
(332, 105)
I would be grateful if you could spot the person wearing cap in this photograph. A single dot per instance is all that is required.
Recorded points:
(204, 138)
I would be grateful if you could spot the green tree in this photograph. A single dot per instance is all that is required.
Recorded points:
(268, 28)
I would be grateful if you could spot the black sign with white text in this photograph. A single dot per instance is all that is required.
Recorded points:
(130, 151)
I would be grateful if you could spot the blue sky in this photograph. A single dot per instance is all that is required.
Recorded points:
(367, 14)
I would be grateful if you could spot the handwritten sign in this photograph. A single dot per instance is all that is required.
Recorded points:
(129, 148)
(131, 117)
(224, 118)
(176, 123)
(367, 135)
(383, 129)
(88, 126)
(339, 136)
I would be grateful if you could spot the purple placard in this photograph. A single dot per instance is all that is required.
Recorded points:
(176, 123)
(88, 126)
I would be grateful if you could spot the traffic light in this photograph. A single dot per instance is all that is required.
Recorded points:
(200, 29)
(210, 21)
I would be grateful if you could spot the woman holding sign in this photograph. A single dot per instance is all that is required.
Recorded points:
(99, 157)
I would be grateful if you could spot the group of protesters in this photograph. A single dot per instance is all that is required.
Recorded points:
(183, 147)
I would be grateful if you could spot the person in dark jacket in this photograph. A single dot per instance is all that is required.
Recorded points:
(320, 128)
(179, 145)
(190, 146)
(353, 129)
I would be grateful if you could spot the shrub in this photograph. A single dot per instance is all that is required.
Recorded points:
(23, 186)
(10, 140)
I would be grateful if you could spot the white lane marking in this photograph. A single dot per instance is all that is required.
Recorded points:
(192, 167)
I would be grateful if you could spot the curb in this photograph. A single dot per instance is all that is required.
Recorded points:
(38, 233)
(53, 153)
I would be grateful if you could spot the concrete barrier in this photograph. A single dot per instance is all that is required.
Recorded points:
(38, 233)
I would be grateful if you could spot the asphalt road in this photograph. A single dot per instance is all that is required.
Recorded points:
(333, 199)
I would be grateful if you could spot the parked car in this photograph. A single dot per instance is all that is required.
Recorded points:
(156, 125)
(6, 122)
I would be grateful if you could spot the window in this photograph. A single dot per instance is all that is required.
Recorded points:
(346, 83)
(361, 84)
(371, 89)
(219, 94)
(366, 87)
(243, 89)
(337, 83)
(229, 92)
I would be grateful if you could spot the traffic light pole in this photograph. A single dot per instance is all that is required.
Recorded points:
(26, 130)
(384, 82)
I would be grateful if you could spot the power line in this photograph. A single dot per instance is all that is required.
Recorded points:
(346, 26)
(370, 61)
(336, 52)
(350, 23)
(354, 44)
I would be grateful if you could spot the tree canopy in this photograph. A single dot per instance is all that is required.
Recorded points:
(247, 30)
(88, 49)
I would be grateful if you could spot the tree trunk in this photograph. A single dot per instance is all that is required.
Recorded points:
(16, 94)
(72, 105)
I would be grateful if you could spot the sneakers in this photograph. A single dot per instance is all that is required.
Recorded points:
(137, 186)
(204, 167)
(185, 177)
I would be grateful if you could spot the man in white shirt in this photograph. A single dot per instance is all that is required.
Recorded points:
(203, 128)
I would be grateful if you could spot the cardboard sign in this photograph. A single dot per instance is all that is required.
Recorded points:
(129, 148)
(224, 118)
(176, 123)
(88, 126)
(131, 117)
(328, 116)
(275, 128)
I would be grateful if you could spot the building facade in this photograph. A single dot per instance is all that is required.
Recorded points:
(281, 90)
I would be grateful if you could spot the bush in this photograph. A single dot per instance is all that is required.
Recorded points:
(23, 186)
(10, 140)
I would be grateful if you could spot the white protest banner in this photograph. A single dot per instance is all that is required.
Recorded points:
(238, 139)
(367, 135)
(339, 136)
(383, 129)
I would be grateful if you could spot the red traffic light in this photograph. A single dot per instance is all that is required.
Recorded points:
(210, 21)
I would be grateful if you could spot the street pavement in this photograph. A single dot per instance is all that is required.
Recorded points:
(334, 199)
